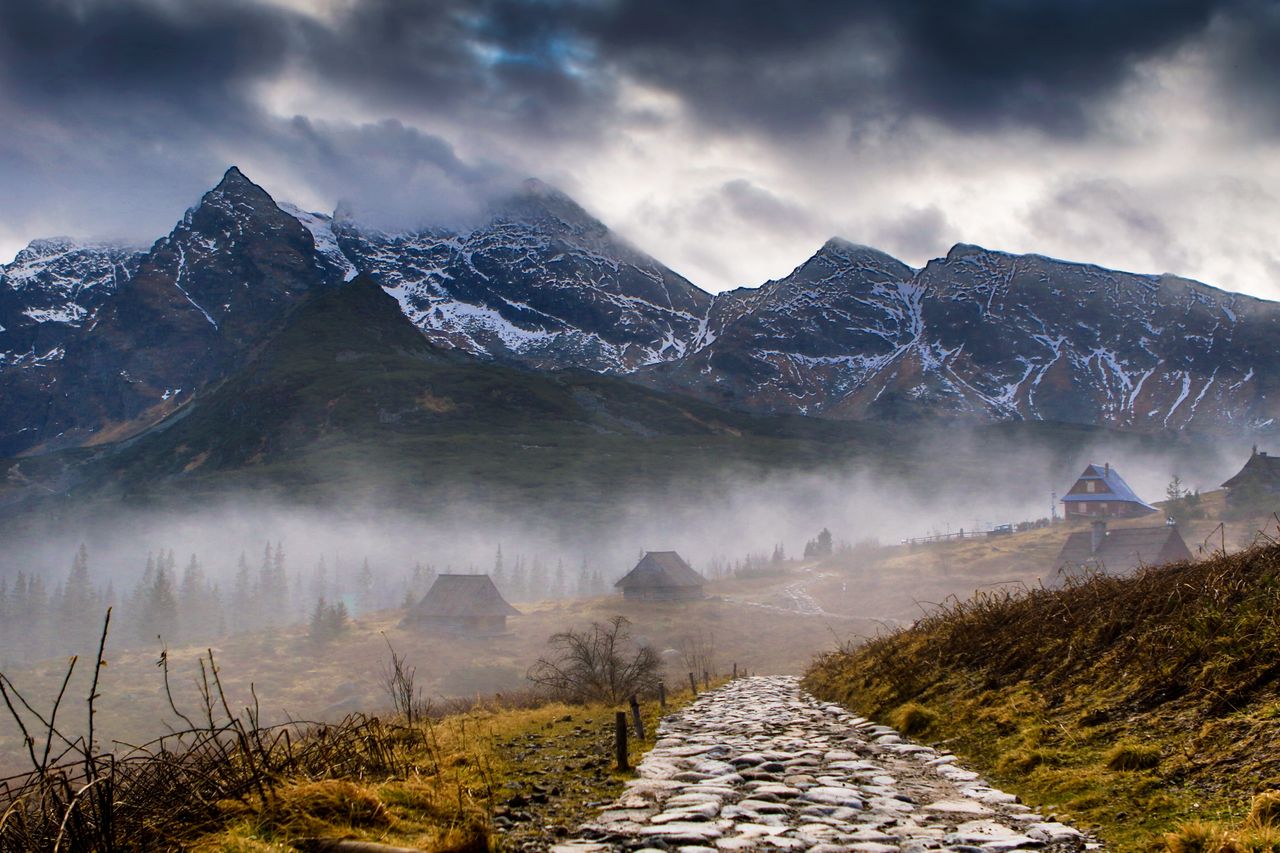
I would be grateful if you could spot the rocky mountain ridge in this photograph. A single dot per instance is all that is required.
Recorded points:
(99, 342)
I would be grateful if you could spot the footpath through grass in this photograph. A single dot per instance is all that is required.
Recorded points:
(1139, 705)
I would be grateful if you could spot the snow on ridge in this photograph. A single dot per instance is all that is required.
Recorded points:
(321, 228)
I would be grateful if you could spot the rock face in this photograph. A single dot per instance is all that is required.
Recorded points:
(761, 765)
(186, 314)
(542, 283)
(989, 336)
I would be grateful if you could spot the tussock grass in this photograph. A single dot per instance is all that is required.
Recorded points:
(1135, 704)
(1258, 833)
(1133, 756)
(913, 719)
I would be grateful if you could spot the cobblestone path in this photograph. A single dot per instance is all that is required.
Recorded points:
(761, 765)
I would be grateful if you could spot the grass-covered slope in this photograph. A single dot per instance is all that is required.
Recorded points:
(1136, 704)
(347, 397)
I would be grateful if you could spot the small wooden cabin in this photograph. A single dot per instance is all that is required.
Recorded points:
(662, 576)
(461, 604)
(1258, 479)
(1100, 492)
(1120, 551)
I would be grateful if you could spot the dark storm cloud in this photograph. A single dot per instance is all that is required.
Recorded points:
(968, 63)
(123, 111)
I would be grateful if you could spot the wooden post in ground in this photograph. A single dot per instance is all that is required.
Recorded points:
(620, 740)
(662, 695)
(636, 718)
(693, 684)
(735, 670)
(706, 680)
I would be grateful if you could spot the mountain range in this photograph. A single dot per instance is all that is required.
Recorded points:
(99, 343)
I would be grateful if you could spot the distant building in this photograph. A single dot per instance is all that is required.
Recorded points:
(1120, 551)
(1258, 479)
(662, 576)
(1100, 492)
(461, 604)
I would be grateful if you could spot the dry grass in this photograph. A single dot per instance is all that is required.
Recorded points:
(1131, 703)
(228, 782)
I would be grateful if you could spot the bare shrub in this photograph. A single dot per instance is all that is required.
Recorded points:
(698, 651)
(599, 664)
(398, 679)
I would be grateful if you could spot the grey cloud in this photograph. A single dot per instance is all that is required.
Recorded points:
(916, 233)
(1108, 213)
(755, 205)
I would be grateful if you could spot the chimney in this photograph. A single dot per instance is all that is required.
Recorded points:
(1106, 469)
(1098, 536)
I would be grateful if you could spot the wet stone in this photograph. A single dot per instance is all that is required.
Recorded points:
(759, 765)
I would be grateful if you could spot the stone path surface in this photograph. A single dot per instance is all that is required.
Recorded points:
(761, 765)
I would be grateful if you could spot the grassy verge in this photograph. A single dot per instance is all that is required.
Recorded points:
(490, 778)
(1135, 705)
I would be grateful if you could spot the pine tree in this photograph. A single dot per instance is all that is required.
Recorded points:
(557, 581)
(242, 597)
(364, 586)
(161, 606)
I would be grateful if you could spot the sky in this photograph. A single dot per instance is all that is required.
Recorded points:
(728, 138)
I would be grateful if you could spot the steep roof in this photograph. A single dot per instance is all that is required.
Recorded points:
(1125, 548)
(1260, 468)
(1114, 487)
(460, 596)
(658, 569)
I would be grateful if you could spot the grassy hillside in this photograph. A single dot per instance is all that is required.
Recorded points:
(1135, 704)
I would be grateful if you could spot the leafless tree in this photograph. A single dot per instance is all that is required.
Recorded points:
(599, 664)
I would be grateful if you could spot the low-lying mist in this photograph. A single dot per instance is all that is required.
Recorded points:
(244, 564)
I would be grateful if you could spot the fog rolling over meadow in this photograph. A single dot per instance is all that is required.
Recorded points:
(243, 564)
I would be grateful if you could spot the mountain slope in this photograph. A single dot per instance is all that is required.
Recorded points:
(543, 283)
(189, 313)
(347, 399)
(988, 336)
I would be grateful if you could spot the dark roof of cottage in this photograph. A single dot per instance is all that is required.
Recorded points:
(1116, 489)
(1261, 467)
(659, 569)
(460, 596)
(1124, 548)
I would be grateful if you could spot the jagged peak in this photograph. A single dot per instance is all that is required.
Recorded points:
(537, 201)
(844, 253)
(960, 251)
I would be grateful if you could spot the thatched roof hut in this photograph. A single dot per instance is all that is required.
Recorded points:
(662, 576)
(462, 604)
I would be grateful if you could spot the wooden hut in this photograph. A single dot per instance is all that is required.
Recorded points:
(1120, 551)
(1257, 482)
(1100, 492)
(661, 576)
(462, 604)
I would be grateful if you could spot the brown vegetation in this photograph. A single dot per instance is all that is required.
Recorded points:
(1129, 702)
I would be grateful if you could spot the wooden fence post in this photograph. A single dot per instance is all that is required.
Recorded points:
(735, 670)
(662, 695)
(620, 739)
(693, 684)
(636, 718)
(706, 680)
